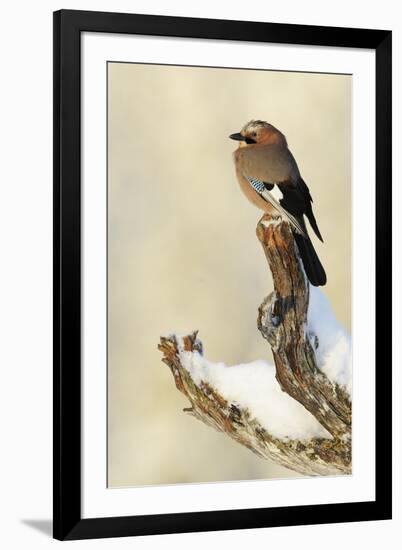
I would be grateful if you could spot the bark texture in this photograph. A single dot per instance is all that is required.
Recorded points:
(282, 322)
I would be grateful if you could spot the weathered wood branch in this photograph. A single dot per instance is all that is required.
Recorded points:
(282, 321)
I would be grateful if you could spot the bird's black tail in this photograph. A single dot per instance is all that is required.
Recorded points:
(311, 263)
(297, 201)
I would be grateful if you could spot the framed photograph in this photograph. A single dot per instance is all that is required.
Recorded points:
(222, 275)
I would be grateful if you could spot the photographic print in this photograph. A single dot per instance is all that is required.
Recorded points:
(229, 274)
(217, 284)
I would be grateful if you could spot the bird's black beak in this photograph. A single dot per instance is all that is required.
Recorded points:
(237, 137)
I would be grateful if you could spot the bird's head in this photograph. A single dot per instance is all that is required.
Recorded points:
(259, 132)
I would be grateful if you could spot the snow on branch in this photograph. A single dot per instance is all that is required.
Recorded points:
(298, 412)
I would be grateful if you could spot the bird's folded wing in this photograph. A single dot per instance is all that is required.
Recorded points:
(259, 186)
(270, 163)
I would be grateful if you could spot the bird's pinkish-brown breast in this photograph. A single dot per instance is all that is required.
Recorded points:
(245, 186)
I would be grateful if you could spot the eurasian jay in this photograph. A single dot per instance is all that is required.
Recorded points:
(264, 164)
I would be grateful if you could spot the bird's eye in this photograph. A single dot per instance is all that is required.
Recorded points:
(254, 134)
(250, 141)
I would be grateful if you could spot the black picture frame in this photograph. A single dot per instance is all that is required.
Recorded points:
(68, 26)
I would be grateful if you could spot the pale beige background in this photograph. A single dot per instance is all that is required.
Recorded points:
(182, 248)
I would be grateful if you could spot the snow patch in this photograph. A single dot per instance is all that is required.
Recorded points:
(334, 353)
(273, 222)
(253, 386)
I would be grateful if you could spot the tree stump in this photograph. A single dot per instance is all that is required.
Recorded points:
(282, 321)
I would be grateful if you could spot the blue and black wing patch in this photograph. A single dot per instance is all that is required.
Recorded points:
(261, 188)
